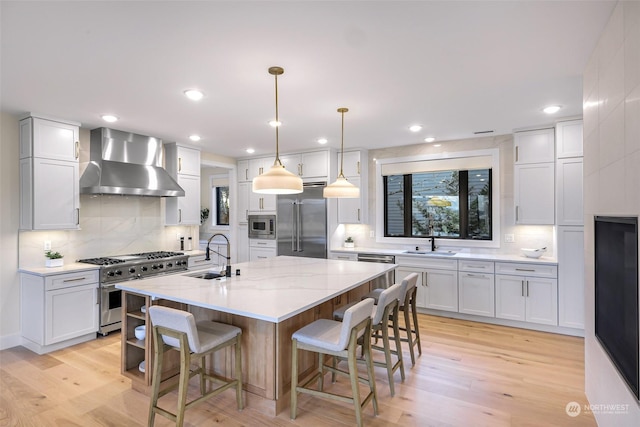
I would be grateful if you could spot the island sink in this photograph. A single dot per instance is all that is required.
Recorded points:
(207, 275)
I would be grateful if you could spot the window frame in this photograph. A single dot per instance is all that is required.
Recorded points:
(493, 153)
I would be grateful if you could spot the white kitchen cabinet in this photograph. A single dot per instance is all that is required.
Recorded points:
(243, 170)
(534, 146)
(571, 281)
(242, 242)
(49, 139)
(529, 293)
(260, 203)
(354, 211)
(262, 249)
(437, 281)
(49, 175)
(569, 191)
(476, 289)
(259, 166)
(59, 310)
(534, 193)
(343, 256)
(244, 191)
(350, 211)
(569, 139)
(307, 165)
(183, 164)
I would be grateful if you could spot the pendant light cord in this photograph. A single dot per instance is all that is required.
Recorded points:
(277, 162)
(342, 111)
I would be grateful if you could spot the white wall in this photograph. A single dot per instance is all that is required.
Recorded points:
(9, 222)
(525, 235)
(611, 182)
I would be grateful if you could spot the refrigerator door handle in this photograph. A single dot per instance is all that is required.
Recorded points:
(298, 227)
(294, 231)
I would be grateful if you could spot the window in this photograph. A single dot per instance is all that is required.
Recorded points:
(454, 204)
(222, 205)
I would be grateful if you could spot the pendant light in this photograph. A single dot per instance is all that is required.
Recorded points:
(341, 188)
(277, 180)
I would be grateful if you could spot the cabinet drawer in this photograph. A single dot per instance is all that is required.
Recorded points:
(428, 262)
(524, 269)
(476, 266)
(67, 280)
(262, 243)
(343, 256)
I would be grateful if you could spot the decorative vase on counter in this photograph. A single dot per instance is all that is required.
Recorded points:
(56, 262)
(349, 243)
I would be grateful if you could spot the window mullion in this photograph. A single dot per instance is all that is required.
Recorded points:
(408, 205)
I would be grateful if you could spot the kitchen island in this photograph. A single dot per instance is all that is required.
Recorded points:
(269, 300)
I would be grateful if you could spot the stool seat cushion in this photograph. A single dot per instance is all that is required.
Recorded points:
(338, 313)
(212, 334)
(322, 333)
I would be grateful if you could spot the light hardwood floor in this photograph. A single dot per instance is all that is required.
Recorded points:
(469, 374)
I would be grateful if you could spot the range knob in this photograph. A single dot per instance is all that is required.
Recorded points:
(154, 267)
(169, 265)
(111, 274)
(160, 265)
(118, 273)
(144, 268)
(132, 270)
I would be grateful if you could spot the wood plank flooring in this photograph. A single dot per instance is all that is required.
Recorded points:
(469, 374)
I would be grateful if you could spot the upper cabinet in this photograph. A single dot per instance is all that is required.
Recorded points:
(307, 165)
(49, 174)
(569, 139)
(243, 170)
(534, 177)
(183, 164)
(534, 146)
(354, 211)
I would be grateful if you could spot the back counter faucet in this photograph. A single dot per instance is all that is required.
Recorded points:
(207, 252)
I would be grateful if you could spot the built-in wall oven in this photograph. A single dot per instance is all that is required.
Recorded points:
(262, 226)
(121, 268)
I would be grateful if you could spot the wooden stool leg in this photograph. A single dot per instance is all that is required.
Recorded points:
(155, 376)
(387, 357)
(366, 348)
(409, 331)
(185, 363)
(416, 329)
(320, 371)
(238, 352)
(203, 384)
(294, 378)
(396, 336)
(353, 375)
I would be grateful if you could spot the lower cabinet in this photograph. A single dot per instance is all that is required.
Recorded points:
(476, 294)
(59, 310)
(262, 249)
(529, 299)
(437, 287)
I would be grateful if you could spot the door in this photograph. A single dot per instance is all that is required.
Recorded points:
(477, 294)
(542, 300)
(286, 220)
(313, 223)
(350, 210)
(56, 196)
(71, 312)
(510, 298)
(535, 193)
(442, 289)
(402, 272)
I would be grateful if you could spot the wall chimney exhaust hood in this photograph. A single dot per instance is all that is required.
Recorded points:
(128, 164)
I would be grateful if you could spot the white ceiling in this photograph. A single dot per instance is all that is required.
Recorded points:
(454, 67)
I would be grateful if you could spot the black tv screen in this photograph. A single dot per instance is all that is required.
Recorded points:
(617, 322)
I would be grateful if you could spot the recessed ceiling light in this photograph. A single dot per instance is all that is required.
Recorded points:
(250, 150)
(194, 137)
(429, 139)
(415, 128)
(437, 145)
(274, 123)
(193, 94)
(322, 140)
(551, 109)
(109, 118)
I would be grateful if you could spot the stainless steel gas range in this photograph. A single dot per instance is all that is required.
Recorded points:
(121, 268)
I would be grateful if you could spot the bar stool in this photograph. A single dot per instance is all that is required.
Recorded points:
(177, 329)
(337, 339)
(408, 291)
(385, 316)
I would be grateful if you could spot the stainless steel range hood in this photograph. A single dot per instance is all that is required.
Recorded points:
(128, 164)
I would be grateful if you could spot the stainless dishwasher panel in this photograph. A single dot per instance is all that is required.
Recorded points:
(386, 279)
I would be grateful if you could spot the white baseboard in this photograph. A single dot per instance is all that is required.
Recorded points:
(9, 341)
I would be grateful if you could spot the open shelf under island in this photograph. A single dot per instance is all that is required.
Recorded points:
(271, 299)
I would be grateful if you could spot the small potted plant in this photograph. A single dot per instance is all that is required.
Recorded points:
(348, 242)
(54, 259)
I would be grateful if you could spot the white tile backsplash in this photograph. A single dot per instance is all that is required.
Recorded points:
(611, 84)
(611, 140)
(632, 121)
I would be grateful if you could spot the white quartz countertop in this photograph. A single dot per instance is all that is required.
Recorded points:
(459, 255)
(273, 289)
(67, 268)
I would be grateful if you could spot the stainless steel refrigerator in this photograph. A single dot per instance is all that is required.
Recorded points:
(302, 223)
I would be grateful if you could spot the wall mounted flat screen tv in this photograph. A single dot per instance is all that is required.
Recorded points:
(617, 322)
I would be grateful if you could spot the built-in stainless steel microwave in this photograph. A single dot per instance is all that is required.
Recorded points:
(262, 226)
